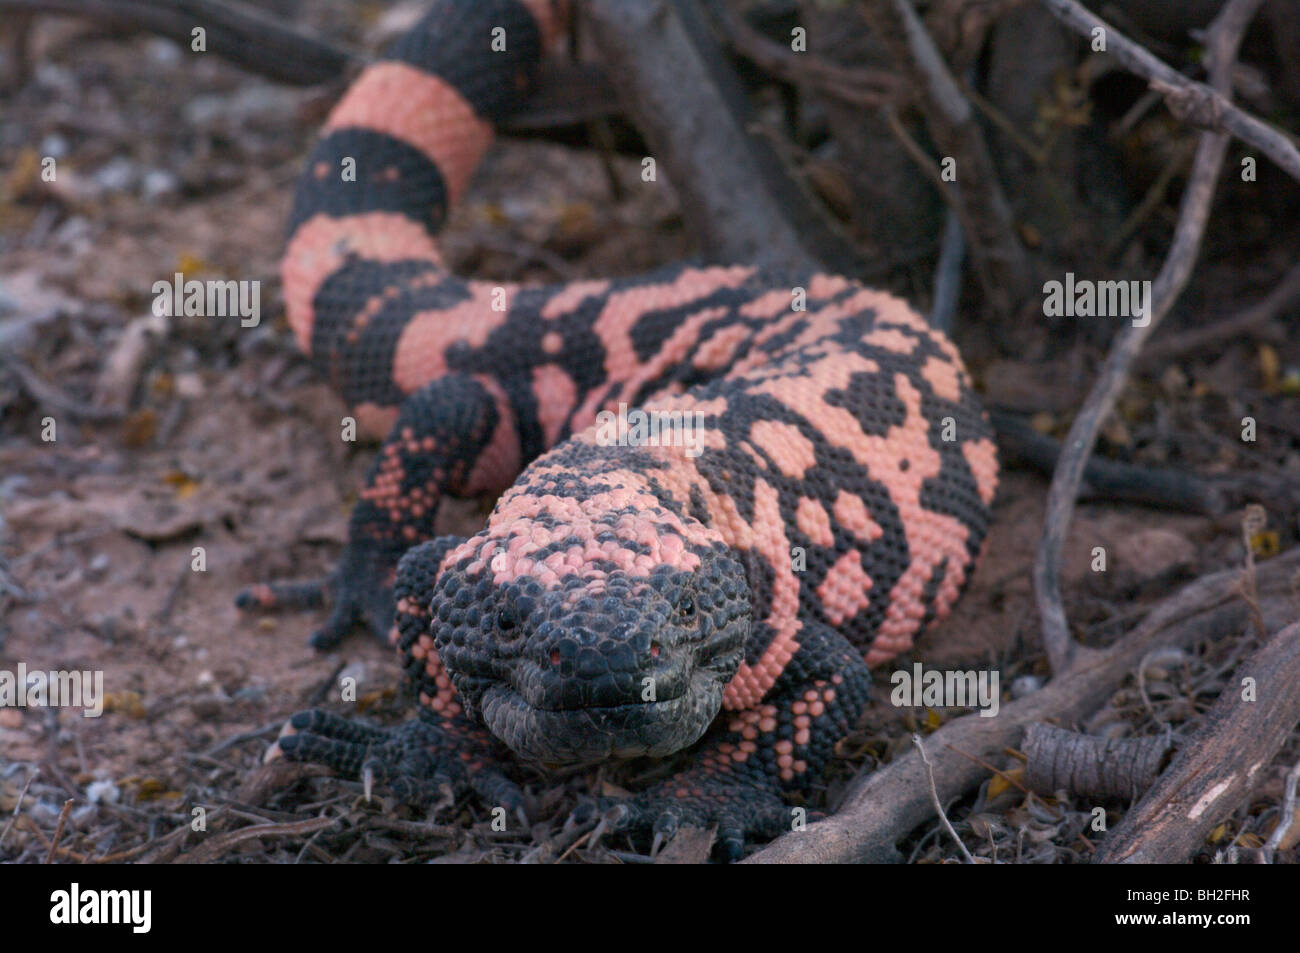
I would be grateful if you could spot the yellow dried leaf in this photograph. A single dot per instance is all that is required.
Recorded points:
(162, 384)
(24, 175)
(182, 483)
(1265, 544)
(153, 789)
(493, 214)
(1269, 367)
(933, 720)
(1292, 837)
(1043, 422)
(138, 428)
(371, 699)
(128, 703)
(1031, 236)
(1002, 782)
(576, 217)
(188, 264)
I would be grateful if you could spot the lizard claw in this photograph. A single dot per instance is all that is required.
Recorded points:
(741, 812)
(420, 763)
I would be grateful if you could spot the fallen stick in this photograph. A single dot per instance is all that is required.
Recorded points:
(1217, 768)
(1281, 297)
(1089, 766)
(882, 807)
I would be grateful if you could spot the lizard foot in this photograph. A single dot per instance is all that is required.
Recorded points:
(743, 810)
(419, 762)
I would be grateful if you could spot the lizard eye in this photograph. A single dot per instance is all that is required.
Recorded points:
(686, 609)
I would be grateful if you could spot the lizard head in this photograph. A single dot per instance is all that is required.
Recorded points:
(581, 636)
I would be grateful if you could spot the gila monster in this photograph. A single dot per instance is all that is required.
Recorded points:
(626, 598)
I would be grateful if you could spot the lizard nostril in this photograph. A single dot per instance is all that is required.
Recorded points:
(555, 657)
(654, 649)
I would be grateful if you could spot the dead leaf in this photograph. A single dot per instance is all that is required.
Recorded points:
(690, 845)
(182, 483)
(128, 703)
(138, 429)
(1002, 782)
(1269, 367)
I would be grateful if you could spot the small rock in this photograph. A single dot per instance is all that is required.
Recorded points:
(54, 145)
(103, 792)
(1025, 685)
(159, 182)
(1154, 553)
(355, 671)
(189, 384)
(98, 566)
(207, 707)
(116, 175)
(58, 78)
(162, 51)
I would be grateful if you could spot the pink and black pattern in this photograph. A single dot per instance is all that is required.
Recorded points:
(622, 600)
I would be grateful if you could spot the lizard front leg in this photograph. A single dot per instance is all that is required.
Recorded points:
(753, 759)
(441, 753)
(455, 436)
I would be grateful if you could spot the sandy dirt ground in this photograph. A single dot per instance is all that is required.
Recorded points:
(175, 436)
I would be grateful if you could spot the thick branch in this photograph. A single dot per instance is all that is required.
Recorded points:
(860, 85)
(1090, 766)
(979, 200)
(691, 109)
(884, 806)
(1225, 36)
(1213, 773)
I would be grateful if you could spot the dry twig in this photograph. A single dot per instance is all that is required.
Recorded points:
(977, 195)
(885, 805)
(1223, 40)
(58, 830)
(18, 805)
(938, 805)
(858, 86)
(1193, 102)
(1216, 769)
(1284, 294)
(1091, 766)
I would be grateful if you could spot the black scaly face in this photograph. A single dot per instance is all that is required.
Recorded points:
(605, 664)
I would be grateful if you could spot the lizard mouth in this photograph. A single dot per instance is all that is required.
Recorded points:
(587, 735)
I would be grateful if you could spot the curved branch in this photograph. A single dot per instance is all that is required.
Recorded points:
(1224, 38)
(247, 37)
